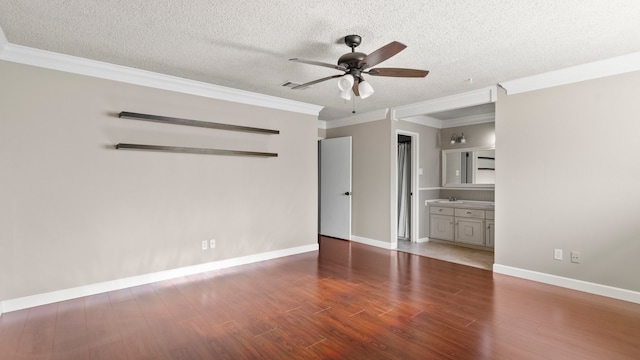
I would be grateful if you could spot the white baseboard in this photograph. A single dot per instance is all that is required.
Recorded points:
(422, 240)
(592, 288)
(73, 293)
(376, 243)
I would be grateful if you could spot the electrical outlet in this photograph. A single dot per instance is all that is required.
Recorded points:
(204, 244)
(557, 254)
(212, 243)
(575, 257)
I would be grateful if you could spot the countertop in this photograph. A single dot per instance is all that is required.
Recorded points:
(464, 204)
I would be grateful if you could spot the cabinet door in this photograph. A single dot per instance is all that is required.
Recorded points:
(441, 227)
(489, 233)
(470, 231)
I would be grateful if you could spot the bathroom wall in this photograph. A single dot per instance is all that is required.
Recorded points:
(478, 135)
(473, 195)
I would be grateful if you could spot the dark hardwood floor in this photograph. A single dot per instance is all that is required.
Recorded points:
(349, 301)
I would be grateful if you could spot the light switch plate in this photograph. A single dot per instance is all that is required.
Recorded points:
(557, 254)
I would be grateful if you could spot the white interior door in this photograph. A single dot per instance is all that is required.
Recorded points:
(335, 187)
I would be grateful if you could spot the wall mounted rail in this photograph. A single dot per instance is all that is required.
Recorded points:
(198, 123)
(190, 150)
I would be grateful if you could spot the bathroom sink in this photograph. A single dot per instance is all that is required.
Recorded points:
(450, 202)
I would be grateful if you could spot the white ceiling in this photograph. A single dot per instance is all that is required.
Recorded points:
(246, 45)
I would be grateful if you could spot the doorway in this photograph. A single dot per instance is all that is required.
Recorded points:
(406, 186)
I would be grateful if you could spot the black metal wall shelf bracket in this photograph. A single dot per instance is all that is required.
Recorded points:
(198, 123)
(190, 150)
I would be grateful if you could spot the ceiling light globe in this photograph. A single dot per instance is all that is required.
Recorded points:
(365, 90)
(346, 82)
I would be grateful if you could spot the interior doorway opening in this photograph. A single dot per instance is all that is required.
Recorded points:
(405, 183)
(405, 199)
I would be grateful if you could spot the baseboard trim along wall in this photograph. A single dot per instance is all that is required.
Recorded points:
(376, 243)
(588, 287)
(73, 293)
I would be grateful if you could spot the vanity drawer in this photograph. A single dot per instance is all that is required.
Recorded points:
(440, 210)
(489, 215)
(470, 213)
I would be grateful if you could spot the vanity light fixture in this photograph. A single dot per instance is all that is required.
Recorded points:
(458, 139)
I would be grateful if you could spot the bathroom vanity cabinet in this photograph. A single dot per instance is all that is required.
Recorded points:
(468, 223)
(441, 223)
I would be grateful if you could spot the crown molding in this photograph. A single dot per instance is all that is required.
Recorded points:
(443, 124)
(458, 101)
(594, 70)
(77, 65)
(469, 120)
(423, 120)
(358, 119)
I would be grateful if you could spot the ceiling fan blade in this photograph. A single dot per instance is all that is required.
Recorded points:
(381, 54)
(355, 86)
(316, 81)
(398, 72)
(319, 63)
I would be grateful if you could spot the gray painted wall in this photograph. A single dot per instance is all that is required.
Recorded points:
(477, 135)
(370, 178)
(74, 211)
(568, 179)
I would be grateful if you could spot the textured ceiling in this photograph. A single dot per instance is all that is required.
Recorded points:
(246, 45)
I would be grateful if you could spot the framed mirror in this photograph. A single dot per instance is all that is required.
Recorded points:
(470, 167)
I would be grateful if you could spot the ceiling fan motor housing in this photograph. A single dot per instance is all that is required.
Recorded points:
(351, 60)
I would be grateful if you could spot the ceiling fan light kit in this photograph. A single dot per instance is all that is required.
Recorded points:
(355, 64)
(346, 82)
(365, 89)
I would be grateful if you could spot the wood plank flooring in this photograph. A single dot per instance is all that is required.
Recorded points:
(347, 301)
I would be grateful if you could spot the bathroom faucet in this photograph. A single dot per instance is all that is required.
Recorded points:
(452, 198)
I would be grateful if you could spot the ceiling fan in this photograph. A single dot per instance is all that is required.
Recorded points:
(355, 64)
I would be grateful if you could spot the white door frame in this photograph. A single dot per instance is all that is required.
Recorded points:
(415, 143)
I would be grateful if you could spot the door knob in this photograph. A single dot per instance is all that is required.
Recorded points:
(347, 193)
